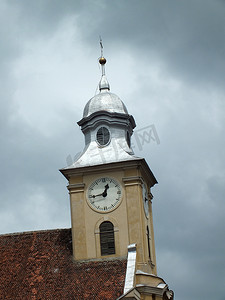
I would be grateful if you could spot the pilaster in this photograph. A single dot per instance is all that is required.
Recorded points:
(76, 192)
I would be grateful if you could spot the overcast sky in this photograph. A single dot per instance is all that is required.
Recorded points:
(166, 61)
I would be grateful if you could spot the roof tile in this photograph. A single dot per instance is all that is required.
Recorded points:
(40, 265)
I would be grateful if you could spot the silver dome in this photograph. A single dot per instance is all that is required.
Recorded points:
(104, 101)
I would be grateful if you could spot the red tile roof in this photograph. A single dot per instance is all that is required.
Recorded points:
(39, 265)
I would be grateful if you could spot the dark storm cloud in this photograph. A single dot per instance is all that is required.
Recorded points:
(177, 51)
(187, 36)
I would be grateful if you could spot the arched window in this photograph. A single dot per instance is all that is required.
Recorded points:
(107, 239)
(149, 247)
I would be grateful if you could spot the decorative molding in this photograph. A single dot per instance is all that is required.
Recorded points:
(133, 163)
(106, 218)
(133, 180)
(104, 114)
(76, 188)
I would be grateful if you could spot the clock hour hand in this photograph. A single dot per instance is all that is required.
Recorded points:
(104, 194)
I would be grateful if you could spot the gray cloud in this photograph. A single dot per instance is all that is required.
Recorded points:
(187, 37)
(170, 60)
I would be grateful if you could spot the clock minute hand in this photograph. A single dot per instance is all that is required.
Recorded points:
(97, 195)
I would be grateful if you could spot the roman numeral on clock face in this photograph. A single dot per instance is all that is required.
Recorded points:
(104, 194)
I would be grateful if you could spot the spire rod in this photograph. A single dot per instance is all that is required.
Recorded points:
(102, 59)
(103, 84)
(101, 45)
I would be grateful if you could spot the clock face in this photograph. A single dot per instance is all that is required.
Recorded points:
(145, 200)
(104, 194)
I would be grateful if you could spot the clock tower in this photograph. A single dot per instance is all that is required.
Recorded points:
(110, 189)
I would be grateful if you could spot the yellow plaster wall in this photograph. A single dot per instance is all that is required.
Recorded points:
(128, 218)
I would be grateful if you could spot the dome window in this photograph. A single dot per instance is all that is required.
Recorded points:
(128, 139)
(103, 136)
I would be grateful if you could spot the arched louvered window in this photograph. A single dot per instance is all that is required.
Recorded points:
(149, 247)
(107, 239)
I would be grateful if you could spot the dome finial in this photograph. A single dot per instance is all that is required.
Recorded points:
(103, 84)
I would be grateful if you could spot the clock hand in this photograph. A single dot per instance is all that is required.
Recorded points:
(93, 196)
(104, 194)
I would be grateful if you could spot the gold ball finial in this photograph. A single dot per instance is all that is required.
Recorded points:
(102, 60)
